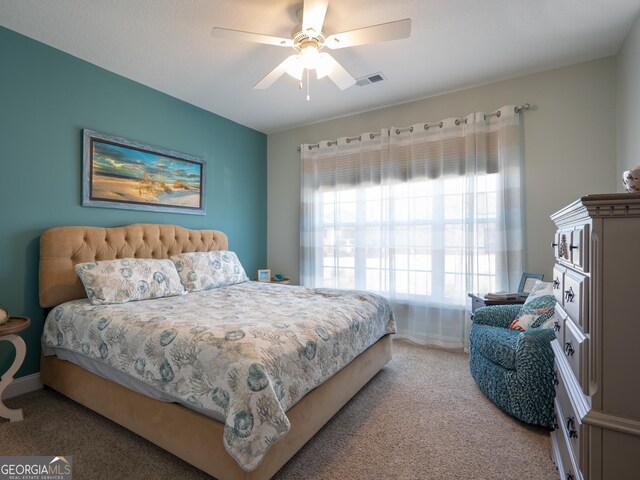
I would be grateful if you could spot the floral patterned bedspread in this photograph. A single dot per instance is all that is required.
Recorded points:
(249, 351)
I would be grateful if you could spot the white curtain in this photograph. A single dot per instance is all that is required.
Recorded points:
(422, 215)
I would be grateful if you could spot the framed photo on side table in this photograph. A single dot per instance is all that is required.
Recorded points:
(527, 282)
(264, 275)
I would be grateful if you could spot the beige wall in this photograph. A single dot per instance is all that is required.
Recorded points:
(629, 103)
(569, 143)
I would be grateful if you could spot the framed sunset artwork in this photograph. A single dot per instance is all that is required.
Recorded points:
(120, 173)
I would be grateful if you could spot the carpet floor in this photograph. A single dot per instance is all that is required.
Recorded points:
(422, 417)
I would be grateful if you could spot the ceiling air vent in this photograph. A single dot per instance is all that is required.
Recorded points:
(369, 79)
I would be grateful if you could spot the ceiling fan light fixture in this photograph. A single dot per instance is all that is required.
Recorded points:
(309, 55)
(308, 42)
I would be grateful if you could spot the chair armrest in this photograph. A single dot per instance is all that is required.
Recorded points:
(496, 315)
(535, 344)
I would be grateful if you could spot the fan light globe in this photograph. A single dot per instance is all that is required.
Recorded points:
(309, 56)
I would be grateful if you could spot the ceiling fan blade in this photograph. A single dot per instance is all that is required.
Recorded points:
(376, 33)
(218, 32)
(313, 13)
(336, 72)
(276, 73)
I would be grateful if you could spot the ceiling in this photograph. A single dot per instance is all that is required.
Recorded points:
(455, 44)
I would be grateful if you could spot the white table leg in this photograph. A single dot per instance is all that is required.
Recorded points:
(21, 350)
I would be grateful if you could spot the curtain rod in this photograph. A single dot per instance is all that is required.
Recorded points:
(517, 109)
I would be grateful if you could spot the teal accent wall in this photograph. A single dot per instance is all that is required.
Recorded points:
(46, 98)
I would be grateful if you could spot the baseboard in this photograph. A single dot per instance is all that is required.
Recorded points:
(26, 384)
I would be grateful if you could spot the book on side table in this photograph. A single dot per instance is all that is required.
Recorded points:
(502, 296)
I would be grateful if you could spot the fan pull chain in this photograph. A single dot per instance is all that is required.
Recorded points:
(308, 96)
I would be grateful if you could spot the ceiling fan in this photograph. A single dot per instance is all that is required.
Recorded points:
(308, 41)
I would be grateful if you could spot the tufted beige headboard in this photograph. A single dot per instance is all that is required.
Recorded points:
(62, 248)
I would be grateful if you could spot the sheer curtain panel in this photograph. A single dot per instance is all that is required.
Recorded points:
(421, 215)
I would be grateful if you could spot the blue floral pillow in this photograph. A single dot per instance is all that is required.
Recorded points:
(127, 279)
(538, 310)
(207, 270)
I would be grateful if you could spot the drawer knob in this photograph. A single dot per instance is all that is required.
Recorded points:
(571, 427)
(568, 349)
(570, 476)
(556, 381)
(555, 421)
(573, 247)
(556, 283)
(569, 295)
(556, 326)
(553, 244)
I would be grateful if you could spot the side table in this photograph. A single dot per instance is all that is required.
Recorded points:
(478, 300)
(8, 333)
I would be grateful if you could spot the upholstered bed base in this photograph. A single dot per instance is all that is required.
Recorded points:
(198, 439)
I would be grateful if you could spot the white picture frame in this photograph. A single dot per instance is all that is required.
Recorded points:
(264, 275)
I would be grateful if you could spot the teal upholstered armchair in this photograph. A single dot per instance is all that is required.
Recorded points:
(514, 369)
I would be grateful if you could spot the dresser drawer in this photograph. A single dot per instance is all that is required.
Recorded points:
(561, 245)
(558, 283)
(578, 247)
(569, 422)
(575, 349)
(562, 453)
(575, 296)
(571, 246)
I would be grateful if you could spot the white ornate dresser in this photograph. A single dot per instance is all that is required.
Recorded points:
(596, 280)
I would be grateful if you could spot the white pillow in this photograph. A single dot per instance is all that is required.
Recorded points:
(538, 311)
(127, 279)
(207, 270)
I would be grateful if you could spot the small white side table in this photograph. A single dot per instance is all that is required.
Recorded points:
(8, 333)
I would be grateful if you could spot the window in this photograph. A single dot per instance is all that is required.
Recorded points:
(416, 246)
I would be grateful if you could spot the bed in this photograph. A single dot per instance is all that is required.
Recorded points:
(190, 429)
